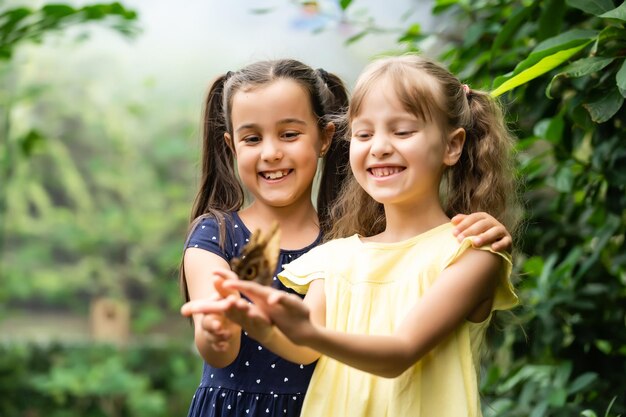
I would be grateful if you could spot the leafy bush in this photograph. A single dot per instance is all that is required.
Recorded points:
(96, 380)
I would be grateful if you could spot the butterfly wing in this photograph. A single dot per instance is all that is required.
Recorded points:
(259, 256)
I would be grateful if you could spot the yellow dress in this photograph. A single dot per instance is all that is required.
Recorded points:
(369, 288)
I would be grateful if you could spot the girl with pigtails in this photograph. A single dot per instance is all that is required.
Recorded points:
(270, 122)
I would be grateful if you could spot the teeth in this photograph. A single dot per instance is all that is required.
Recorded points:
(273, 175)
(385, 171)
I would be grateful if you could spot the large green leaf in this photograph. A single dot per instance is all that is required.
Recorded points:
(618, 13)
(544, 65)
(620, 79)
(605, 108)
(566, 41)
(595, 7)
(579, 68)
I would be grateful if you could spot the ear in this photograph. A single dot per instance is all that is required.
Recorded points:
(327, 138)
(456, 140)
(229, 142)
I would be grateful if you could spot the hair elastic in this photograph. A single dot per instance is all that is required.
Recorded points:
(466, 89)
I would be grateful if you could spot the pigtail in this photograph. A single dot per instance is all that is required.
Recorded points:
(219, 188)
(335, 166)
(484, 177)
(219, 191)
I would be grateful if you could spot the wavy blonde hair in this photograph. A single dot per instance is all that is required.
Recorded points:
(484, 177)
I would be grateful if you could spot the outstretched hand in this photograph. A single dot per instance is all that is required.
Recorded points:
(287, 311)
(233, 308)
(218, 329)
(484, 230)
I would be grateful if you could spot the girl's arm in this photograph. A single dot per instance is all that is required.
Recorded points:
(254, 319)
(485, 229)
(463, 291)
(217, 339)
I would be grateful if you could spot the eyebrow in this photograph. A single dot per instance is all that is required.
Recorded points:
(281, 122)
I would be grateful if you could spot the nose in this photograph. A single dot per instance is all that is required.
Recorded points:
(271, 150)
(380, 145)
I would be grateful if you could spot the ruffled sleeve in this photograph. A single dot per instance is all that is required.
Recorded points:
(313, 265)
(505, 297)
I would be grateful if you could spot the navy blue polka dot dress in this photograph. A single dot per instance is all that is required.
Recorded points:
(258, 382)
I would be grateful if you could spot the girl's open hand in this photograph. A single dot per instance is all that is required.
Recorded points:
(485, 230)
(287, 311)
(233, 308)
(219, 330)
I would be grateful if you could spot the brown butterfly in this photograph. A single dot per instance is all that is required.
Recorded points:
(259, 256)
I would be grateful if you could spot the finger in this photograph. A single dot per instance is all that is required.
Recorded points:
(286, 305)
(238, 312)
(249, 312)
(490, 236)
(205, 306)
(256, 292)
(466, 220)
(225, 273)
(478, 228)
(458, 218)
(224, 292)
(503, 245)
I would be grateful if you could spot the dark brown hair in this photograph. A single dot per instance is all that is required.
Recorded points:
(220, 192)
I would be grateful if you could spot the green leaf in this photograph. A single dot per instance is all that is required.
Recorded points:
(618, 13)
(565, 41)
(605, 108)
(620, 79)
(558, 397)
(579, 68)
(544, 65)
(595, 7)
(344, 4)
(511, 26)
(356, 37)
(442, 5)
(57, 10)
(554, 133)
(582, 382)
(412, 34)
(31, 141)
(551, 18)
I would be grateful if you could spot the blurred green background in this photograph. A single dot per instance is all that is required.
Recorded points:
(100, 108)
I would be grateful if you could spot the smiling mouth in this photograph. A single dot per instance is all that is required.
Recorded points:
(381, 172)
(275, 175)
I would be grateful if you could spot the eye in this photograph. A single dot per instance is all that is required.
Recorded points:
(251, 139)
(362, 135)
(291, 135)
(404, 133)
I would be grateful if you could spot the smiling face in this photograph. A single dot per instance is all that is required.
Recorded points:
(277, 142)
(397, 157)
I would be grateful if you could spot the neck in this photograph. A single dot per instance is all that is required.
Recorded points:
(298, 223)
(404, 222)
